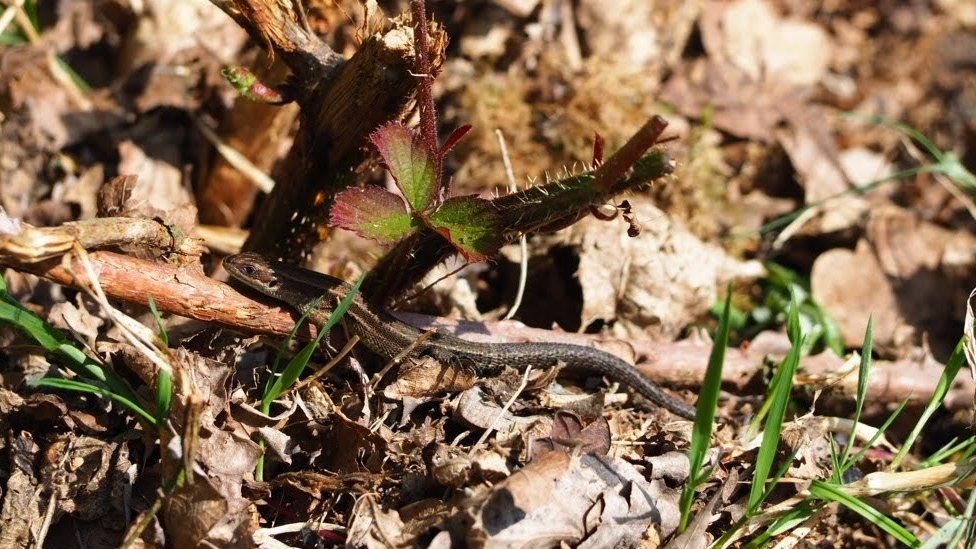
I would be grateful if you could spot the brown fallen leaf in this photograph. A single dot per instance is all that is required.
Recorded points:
(569, 433)
(908, 273)
(582, 500)
(373, 527)
(21, 507)
(655, 284)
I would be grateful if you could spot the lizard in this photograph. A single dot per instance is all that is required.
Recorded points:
(317, 294)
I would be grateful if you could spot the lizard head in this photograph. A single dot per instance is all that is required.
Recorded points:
(254, 270)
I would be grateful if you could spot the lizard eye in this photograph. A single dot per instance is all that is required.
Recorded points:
(247, 269)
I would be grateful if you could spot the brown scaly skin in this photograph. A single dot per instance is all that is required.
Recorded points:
(387, 336)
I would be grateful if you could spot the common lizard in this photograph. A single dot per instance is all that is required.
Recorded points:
(388, 336)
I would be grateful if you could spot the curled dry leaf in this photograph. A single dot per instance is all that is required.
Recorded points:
(77, 319)
(198, 514)
(655, 284)
(159, 190)
(427, 378)
(455, 467)
(809, 437)
(569, 433)
(21, 506)
(586, 500)
(476, 411)
(672, 466)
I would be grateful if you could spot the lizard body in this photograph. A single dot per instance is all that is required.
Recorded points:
(387, 335)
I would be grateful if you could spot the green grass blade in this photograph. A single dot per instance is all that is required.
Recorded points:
(830, 492)
(905, 129)
(60, 345)
(82, 387)
(164, 395)
(164, 380)
(947, 450)
(780, 398)
(863, 372)
(969, 529)
(297, 364)
(832, 335)
(952, 530)
(705, 414)
(282, 349)
(161, 330)
(952, 367)
(793, 518)
(30, 8)
(10, 38)
(71, 357)
(881, 430)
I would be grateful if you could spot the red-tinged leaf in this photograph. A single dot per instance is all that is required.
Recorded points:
(471, 224)
(453, 139)
(411, 163)
(597, 149)
(372, 212)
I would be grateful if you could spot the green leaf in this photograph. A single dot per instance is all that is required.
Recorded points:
(791, 519)
(297, 364)
(411, 163)
(830, 492)
(50, 339)
(951, 166)
(161, 330)
(249, 86)
(952, 367)
(705, 414)
(8, 38)
(372, 212)
(862, 392)
(470, 224)
(780, 390)
(81, 387)
(942, 537)
(880, 431)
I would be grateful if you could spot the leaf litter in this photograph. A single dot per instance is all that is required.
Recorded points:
(428, 455)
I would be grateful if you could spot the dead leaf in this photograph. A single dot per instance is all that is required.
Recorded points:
(473, 410)
(375, 528)
(751, 37)
(896, 275)
(427, 378)
(77, 319)
(569, 433)
(197, 514)
(159, 190)
(559, 498)
(21, 506)
(652, 285)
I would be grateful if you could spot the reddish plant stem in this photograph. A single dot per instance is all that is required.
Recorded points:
(617, 165)
(425, 94)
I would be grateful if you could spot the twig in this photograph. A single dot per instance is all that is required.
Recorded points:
(325, 369)
(52, 505)
(399, 357)
(247, 168)
(426, 288)
(9, 13)
(523, 247)
(504, 410)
